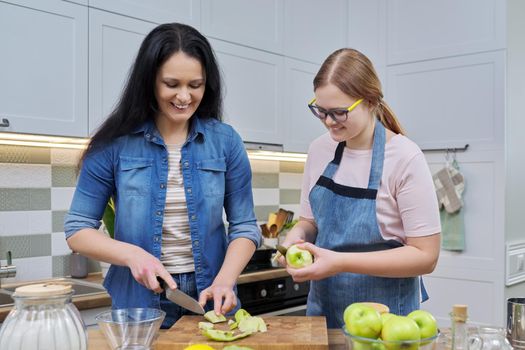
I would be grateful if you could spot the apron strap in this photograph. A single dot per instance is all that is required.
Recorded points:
(339, 153)
(331, 167)
(378, 156)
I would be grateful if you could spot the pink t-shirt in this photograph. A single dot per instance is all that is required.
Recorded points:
(406, 201)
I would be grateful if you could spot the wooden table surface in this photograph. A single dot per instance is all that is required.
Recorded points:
(96, 341)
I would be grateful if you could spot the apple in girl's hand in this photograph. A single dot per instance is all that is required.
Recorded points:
(362, 320)
(399, 329)
(426, 322)
(297, 257)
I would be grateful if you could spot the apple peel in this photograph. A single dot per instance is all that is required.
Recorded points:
(213, 317)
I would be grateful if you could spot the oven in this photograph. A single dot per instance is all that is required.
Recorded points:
(270, 291)
(272, 297)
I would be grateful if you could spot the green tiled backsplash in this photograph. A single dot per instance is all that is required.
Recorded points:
(41, 181)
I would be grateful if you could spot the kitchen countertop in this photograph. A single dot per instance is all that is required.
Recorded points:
(96, 341)
(103, 299)
(81, 302)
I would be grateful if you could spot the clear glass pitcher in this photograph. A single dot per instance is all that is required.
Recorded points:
(493, 339)
(43, 318)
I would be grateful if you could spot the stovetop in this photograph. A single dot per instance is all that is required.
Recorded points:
(259, 267)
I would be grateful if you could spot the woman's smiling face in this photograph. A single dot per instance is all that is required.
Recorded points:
(180, 86)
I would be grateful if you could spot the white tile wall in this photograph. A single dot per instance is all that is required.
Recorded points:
(65, 156)
(31, 269)
(58, 244)
(25, 175)
(61, 197)
(25, 222)
(266, 196)
(290, 180)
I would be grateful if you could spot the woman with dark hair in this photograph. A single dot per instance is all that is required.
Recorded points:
(171, 167)
(368, 201)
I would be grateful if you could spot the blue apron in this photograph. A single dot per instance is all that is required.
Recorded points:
(347, 222)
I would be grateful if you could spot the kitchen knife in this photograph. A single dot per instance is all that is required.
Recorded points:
(282, 252)
(281, 249)
(184, 300)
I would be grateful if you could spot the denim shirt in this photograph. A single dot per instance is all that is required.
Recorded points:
(134, 169)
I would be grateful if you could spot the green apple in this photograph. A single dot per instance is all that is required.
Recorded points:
(360, 345)
(398, 329)
(363, 321)
(385, 317)
(426, 322)
(297, 257)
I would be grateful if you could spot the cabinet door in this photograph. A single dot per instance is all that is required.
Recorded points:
(157, 11)
(301, 126)
(80, 2)
(253, 85)
(314, 29)
(114, 41)
(420, 30)
(450, 102)
(367, 33)
(254, 23)
(43, 67)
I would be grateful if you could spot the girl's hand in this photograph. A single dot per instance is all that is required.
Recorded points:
(218, 293)
(145, 268)
(282, 259)
(325, 264)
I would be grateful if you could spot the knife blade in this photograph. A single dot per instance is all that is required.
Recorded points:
(281, 249)
(184, 300)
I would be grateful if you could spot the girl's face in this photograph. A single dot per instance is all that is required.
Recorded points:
(358, 121)
(179, 88)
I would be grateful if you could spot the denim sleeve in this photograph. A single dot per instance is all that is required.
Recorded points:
(238, 198)
(94, 187)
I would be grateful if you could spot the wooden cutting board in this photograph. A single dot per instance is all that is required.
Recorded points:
(284, 332)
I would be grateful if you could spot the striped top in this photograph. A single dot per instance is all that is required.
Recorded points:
(176, 253)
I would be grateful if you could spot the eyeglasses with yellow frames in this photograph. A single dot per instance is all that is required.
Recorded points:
(339, 115)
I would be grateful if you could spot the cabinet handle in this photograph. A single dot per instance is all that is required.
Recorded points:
(4, 123)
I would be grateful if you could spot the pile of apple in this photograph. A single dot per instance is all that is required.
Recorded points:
(365, 321)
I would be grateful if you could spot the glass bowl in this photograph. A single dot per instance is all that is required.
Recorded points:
(130, 328)
(359, 343)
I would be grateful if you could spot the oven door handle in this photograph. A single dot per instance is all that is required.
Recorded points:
(284, 312)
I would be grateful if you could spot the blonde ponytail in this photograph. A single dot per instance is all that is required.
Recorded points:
(388, 118)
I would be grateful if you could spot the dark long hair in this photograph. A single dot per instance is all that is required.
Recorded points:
(353, 73)
(138, 104)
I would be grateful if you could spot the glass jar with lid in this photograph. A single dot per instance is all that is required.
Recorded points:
(43, 318)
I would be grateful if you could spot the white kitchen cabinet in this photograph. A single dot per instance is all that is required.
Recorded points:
(314, 29)
(452, 101)
(80, 2)
(253, 86)
(254, 23)
(43, 67)
(419, 30)
(156, 11)
(301, 126)
(114, 41)
(368, 33)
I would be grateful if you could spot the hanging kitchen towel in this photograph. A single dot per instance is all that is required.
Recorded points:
(452, 230)
(449, 185)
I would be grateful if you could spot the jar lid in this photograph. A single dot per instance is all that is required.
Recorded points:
(460, 312)
(48, 289)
